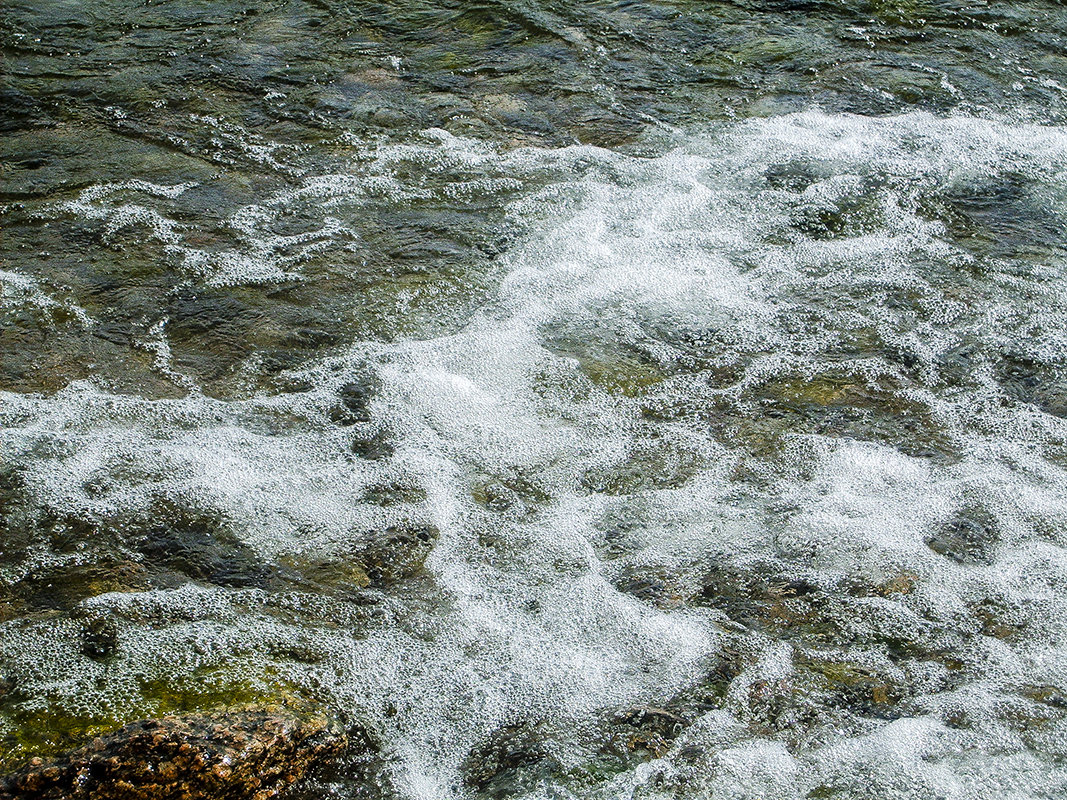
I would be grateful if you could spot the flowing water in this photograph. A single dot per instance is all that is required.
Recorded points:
(630, 399)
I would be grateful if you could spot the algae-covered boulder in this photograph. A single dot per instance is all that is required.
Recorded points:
(238, 755)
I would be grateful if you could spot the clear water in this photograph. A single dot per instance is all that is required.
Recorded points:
(615, 400)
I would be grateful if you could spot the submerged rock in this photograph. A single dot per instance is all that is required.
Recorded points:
(239, 755)
(511, 761)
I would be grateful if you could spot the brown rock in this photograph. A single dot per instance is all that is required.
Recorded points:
(239, 755)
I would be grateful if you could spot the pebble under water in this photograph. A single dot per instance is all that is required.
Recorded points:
(607, 400)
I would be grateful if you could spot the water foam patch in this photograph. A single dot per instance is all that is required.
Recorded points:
(746, 479)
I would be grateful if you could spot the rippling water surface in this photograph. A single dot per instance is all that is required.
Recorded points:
(591, 400)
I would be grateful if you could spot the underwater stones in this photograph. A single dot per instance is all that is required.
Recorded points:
(201, 547)
(711, 692)
(838, 406)
(512, 491)
(821, 698)
(64, 586)
(795, 176)
(398, 551)
(1046, 695)
(847, 216)
(376, 445)
(331, 575)
(622, 369)
(652, 463)
(511, 761)
(968, 539)
(759, 599)
(394, 493)
(638, 733)
(660, 721)
(999, 619)
(355, 398)
(382, 557)
(237, 755)
(1032, 380)
(653, 586)
(99, 637)
(847, 686)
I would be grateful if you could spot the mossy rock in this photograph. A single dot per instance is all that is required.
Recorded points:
(1047, 695)
(511, 760)
(834, 405)
(617, 367)
(969, 539)
(656, 587)
(339, 574)
(849, 686)
(629, 377)
(42, 730)
(760, 598)
(63, 587)
(395, 493)
(910, 13)
(652, 464)
(398, 551)
(510, 491)
(246, 754)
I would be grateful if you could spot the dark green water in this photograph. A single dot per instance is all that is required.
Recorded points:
(602, 400)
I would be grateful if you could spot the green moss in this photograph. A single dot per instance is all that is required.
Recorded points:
(656, 465)
(35, 731)
(212, 688)
(626, 376)
(502, 492)
(47, 732)
(333, 574)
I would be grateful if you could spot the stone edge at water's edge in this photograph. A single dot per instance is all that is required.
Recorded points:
(249, 754)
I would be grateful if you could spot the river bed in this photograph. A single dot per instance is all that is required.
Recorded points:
(591, 400)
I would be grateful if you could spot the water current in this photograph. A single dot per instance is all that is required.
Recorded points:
(631, 399)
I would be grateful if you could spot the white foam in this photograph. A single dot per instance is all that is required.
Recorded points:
(521, 619)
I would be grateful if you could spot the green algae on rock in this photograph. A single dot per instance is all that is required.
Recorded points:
(243, 754)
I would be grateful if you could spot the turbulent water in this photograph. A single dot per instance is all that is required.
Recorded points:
(596, 400)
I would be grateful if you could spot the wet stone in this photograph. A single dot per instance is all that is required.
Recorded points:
(761, 599)
(240, 755)
(657, 588)
(511, 761)
(391, 494)
(355, 397)
(376, 445)
(99, 638)
(398, 552)
(515, 492)
(201, 547)
(1032, 380)
(968, 539)
(658, 720)
(63, 587)
(1047, 695)
(639, 733)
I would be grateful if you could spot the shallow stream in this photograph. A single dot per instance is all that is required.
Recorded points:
(589, 400)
